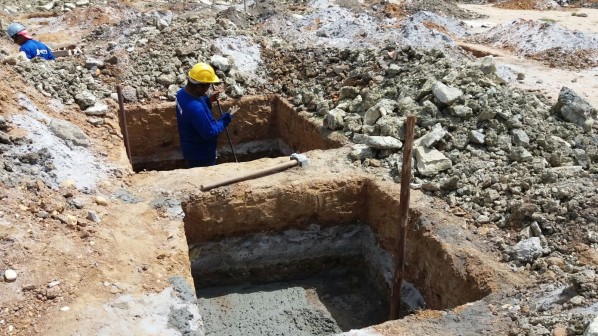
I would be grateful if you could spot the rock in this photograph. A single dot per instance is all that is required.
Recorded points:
(348, 92)
(361, 152)
(446, 94)
(100, 200)
(528, 250)
(593, 237)
(167, 79)
(555, 261)
(3, 124)
(5, 139)
(85, 99)
(383, 142)
(92, 216)
(559, 331)
(431, 161)
(477, 137)
(520, 154)
(487, 65)
(82, 3)
(575, 109)
(10, 275)
(95, 121)
(68, 132)
(65, 308)
(47, 6)
(461, 111)
(91, 63)
(393, 70)
(432, 137)
(220, 62)
(334, 119)
(98, 110)
(381, 109)
(236, 91)
(520, 138)
(592, 329)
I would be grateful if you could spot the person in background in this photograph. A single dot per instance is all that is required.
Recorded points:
(198, 130)
(32, 48)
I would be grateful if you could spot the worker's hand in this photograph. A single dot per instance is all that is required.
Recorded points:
(214, 95)
(233, 110)
(226, 118)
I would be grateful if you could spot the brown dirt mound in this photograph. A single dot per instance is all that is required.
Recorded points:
(528, 4)
(559, 58)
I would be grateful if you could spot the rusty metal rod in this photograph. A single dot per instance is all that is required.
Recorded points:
(395, 301)
(249, 176)
(226, 129)
(122, 117)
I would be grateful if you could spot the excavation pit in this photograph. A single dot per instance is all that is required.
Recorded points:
(313, 258)
(265, 126)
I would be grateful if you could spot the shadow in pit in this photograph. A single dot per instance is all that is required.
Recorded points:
(265, 126)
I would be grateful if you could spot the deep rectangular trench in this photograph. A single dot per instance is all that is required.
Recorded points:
(276, 252)
(265, 126)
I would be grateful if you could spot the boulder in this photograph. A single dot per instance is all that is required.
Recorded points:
(431, 161)
(68, 132)
(575, 109)
(446, 94)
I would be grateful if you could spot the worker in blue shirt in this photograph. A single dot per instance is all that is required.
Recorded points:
(198, 130)
(29, 46)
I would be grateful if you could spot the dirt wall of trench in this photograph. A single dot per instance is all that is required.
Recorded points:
(447, 275)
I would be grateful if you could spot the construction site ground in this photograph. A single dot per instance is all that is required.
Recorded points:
(499, 242)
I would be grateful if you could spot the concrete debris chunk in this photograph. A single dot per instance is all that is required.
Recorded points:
(575, 109)
(220, 63)
(477, 137)
(431, 161)
(520, 138)
(383, 142)
(381, 109)
(488, 65)
(361, 152)
(592, 329)
(334, 119)
(68, 132)
(528, 250)
(97, 110)
(91, 62)
(446, 94)
(432, 137)
(85, 99)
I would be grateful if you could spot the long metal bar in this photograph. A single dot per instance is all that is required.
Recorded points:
(226, 130)
(122, 116)
(249, 176)
(395, 302)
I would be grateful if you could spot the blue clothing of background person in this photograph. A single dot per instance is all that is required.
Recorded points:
(198, 130)
(33, 48)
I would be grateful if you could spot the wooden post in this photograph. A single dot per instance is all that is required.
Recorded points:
(395, 301)
(122, 118)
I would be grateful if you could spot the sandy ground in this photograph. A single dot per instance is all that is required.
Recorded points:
(537, 75)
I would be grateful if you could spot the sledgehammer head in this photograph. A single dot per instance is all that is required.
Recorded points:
(300, 158)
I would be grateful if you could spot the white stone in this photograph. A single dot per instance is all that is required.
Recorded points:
(381, 109)
(335, 119)
(520, 138)
(82, 3)
(100, 200)
(65, 308)
(528, 250)
(10, 275)
(54, 283)
(592, 329)
(98, 110)
(477, 137)
(383, 142)
(360, 152)
(220, 62)
(431, 137)
(431, 161)
(446, 94)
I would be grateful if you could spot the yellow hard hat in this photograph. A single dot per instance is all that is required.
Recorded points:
(202, 73)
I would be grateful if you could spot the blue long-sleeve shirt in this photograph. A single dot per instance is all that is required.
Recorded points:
(198, 130)
(33, 48)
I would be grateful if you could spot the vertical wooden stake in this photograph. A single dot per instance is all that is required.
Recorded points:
(395, 301)
(122, 118)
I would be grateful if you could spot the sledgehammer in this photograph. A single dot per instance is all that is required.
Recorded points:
(296, 160)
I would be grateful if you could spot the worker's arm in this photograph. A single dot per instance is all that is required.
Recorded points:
(204, 123)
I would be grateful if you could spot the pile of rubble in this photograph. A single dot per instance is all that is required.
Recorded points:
(518, 166)
(48, 6)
